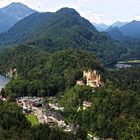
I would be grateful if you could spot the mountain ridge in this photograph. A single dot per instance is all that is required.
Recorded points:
(12, 13)
(119, 24)
(17, 10)
(129, 30)
(101, 27)
(60, 30)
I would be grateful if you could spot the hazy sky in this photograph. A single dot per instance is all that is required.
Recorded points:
(98, 11)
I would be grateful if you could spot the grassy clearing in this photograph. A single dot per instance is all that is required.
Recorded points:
(130, 61)
(134, 61)
(33, 119)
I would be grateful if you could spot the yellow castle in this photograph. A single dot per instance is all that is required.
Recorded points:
(90, 78)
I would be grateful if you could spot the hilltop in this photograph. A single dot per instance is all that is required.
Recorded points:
(11, 14)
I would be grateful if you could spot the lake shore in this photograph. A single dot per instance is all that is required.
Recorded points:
(3, 81)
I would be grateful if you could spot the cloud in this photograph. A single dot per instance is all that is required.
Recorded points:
(6, 2)
(136, 18)
(97, 17)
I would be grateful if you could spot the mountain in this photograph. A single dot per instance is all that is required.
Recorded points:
(60, 30)
(131, 29)
(12, 13)
(6, 21)
(128, 31)
(115, 33)
(118, 24)
(101, 27)
(18, 10)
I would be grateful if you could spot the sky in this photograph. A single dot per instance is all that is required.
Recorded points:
(97, 11)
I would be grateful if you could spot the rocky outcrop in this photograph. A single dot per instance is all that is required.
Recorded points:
(12, 73)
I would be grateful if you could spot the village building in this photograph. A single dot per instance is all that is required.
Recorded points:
(28, 102)
(56, 117)
(56, 106)
(85, 105)
(2, 98)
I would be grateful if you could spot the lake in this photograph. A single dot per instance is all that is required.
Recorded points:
(126, 64)
(3, 81)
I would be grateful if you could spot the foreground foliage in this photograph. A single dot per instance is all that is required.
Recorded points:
(113, 114)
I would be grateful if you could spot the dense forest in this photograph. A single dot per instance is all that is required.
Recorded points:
(115, 107)
(131, 49)
(126, 78)
(113, 114)
(41, 73)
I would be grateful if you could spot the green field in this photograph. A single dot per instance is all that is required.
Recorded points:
(33, 119)
(130, 61)
(134, 61)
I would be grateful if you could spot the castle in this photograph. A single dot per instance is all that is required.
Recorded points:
(90, 78)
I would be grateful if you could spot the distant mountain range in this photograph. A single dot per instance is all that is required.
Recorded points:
(115, 33)
(15, 12)
(12, 13)
(127, 31)
(121, 30)
(64, 29)
(119, 24)
(101, 27)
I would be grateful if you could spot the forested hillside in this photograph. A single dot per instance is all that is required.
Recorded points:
(114, 112)
(60, 30)
(133, 49)
(46, 73)
(127, 31)
(127, 36)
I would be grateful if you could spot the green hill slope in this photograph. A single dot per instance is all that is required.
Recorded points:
(48, 73)
(62, 29)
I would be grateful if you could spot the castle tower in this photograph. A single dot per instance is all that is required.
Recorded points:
(91, 79)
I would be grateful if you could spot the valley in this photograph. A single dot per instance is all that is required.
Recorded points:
(129, 63)
(68, 81)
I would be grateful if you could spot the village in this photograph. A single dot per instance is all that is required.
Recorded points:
(45, 113)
